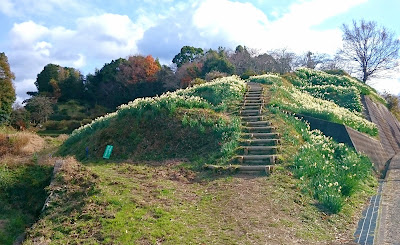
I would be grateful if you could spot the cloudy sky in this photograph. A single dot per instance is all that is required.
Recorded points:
(87, 34)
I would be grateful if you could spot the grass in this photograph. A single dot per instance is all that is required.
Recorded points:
(167, 203)
(313, 197)
(184, 124)
(22, 196)
(25, 171)
(330, 172)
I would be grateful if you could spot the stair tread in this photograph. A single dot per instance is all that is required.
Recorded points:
(260, 147)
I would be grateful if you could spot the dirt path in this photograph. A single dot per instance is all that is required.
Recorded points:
(389, 223)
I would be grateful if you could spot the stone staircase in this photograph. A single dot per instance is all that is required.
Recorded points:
(259, 141)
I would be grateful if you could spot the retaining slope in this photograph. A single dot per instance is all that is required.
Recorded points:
(388, 125)
(359, 141)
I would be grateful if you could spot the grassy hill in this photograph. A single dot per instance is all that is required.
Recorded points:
(190, 123)
(153, 189)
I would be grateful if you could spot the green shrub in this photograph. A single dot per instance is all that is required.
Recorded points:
(266, 79)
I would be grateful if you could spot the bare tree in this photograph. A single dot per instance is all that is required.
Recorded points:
(40, 108)
(373, 49)
(311, 60)
(284, 60)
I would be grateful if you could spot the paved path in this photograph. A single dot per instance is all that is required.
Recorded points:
(389, 223)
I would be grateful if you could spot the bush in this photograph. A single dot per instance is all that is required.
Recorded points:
(266, 79)
(247, 74)
(337, 72)
(197, 81)
(214, 75)
(393, 104)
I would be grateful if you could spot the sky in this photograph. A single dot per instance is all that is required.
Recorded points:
(87, 34)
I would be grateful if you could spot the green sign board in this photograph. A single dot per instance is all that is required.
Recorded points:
(107, 152)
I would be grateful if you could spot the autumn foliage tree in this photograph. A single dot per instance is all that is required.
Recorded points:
(7, 92)
(139, 69)
(124, 80)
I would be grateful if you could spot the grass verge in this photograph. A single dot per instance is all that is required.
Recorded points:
(166, 203)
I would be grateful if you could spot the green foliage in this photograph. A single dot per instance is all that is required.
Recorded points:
(62, 83)
(320, 95)
(266, 79)
(188, 54)
(218, 93)
(330, 172)
(393, 104)
(160, 114)
(20, 118)
(217, 61)
(124, 80)
(22, 195)
(7, 91)
(291, 99)
(322, 84)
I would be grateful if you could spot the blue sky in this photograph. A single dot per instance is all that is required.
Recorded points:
(87, 34)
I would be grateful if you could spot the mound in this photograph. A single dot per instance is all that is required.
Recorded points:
(188, 123)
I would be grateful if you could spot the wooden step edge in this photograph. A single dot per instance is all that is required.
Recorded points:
(268, 169)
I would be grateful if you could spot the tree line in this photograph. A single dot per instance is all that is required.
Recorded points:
(367, 47)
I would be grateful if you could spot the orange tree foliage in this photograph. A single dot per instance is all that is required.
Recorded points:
(139, 69)
(187, 72)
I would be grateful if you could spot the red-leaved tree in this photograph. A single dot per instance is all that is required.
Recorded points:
(139, 69)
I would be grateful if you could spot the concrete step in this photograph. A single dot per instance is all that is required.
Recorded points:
(258, 150)
(253, 94)
(255, 118)
(256, 123)
(255, 159)
(260, 103)
(250, 112)
(261, 142)
(259, 129)
(243, 169)
(260, 135)
(251, 107)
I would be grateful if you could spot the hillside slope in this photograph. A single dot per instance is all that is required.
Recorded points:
(314, 196)
(182, 124)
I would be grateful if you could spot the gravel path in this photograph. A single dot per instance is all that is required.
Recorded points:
(389, 223)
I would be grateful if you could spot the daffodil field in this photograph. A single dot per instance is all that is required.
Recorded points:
(318, 94)
(329, 171)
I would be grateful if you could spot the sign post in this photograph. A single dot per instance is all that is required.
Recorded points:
(107, 152)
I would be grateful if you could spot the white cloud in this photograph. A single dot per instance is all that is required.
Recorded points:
(238, 22)
(7, 7)
(95, 39)
(212, 23)
(25, 8)
(24, 86)
(26, 34)
(390, 84)
(114, 35)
